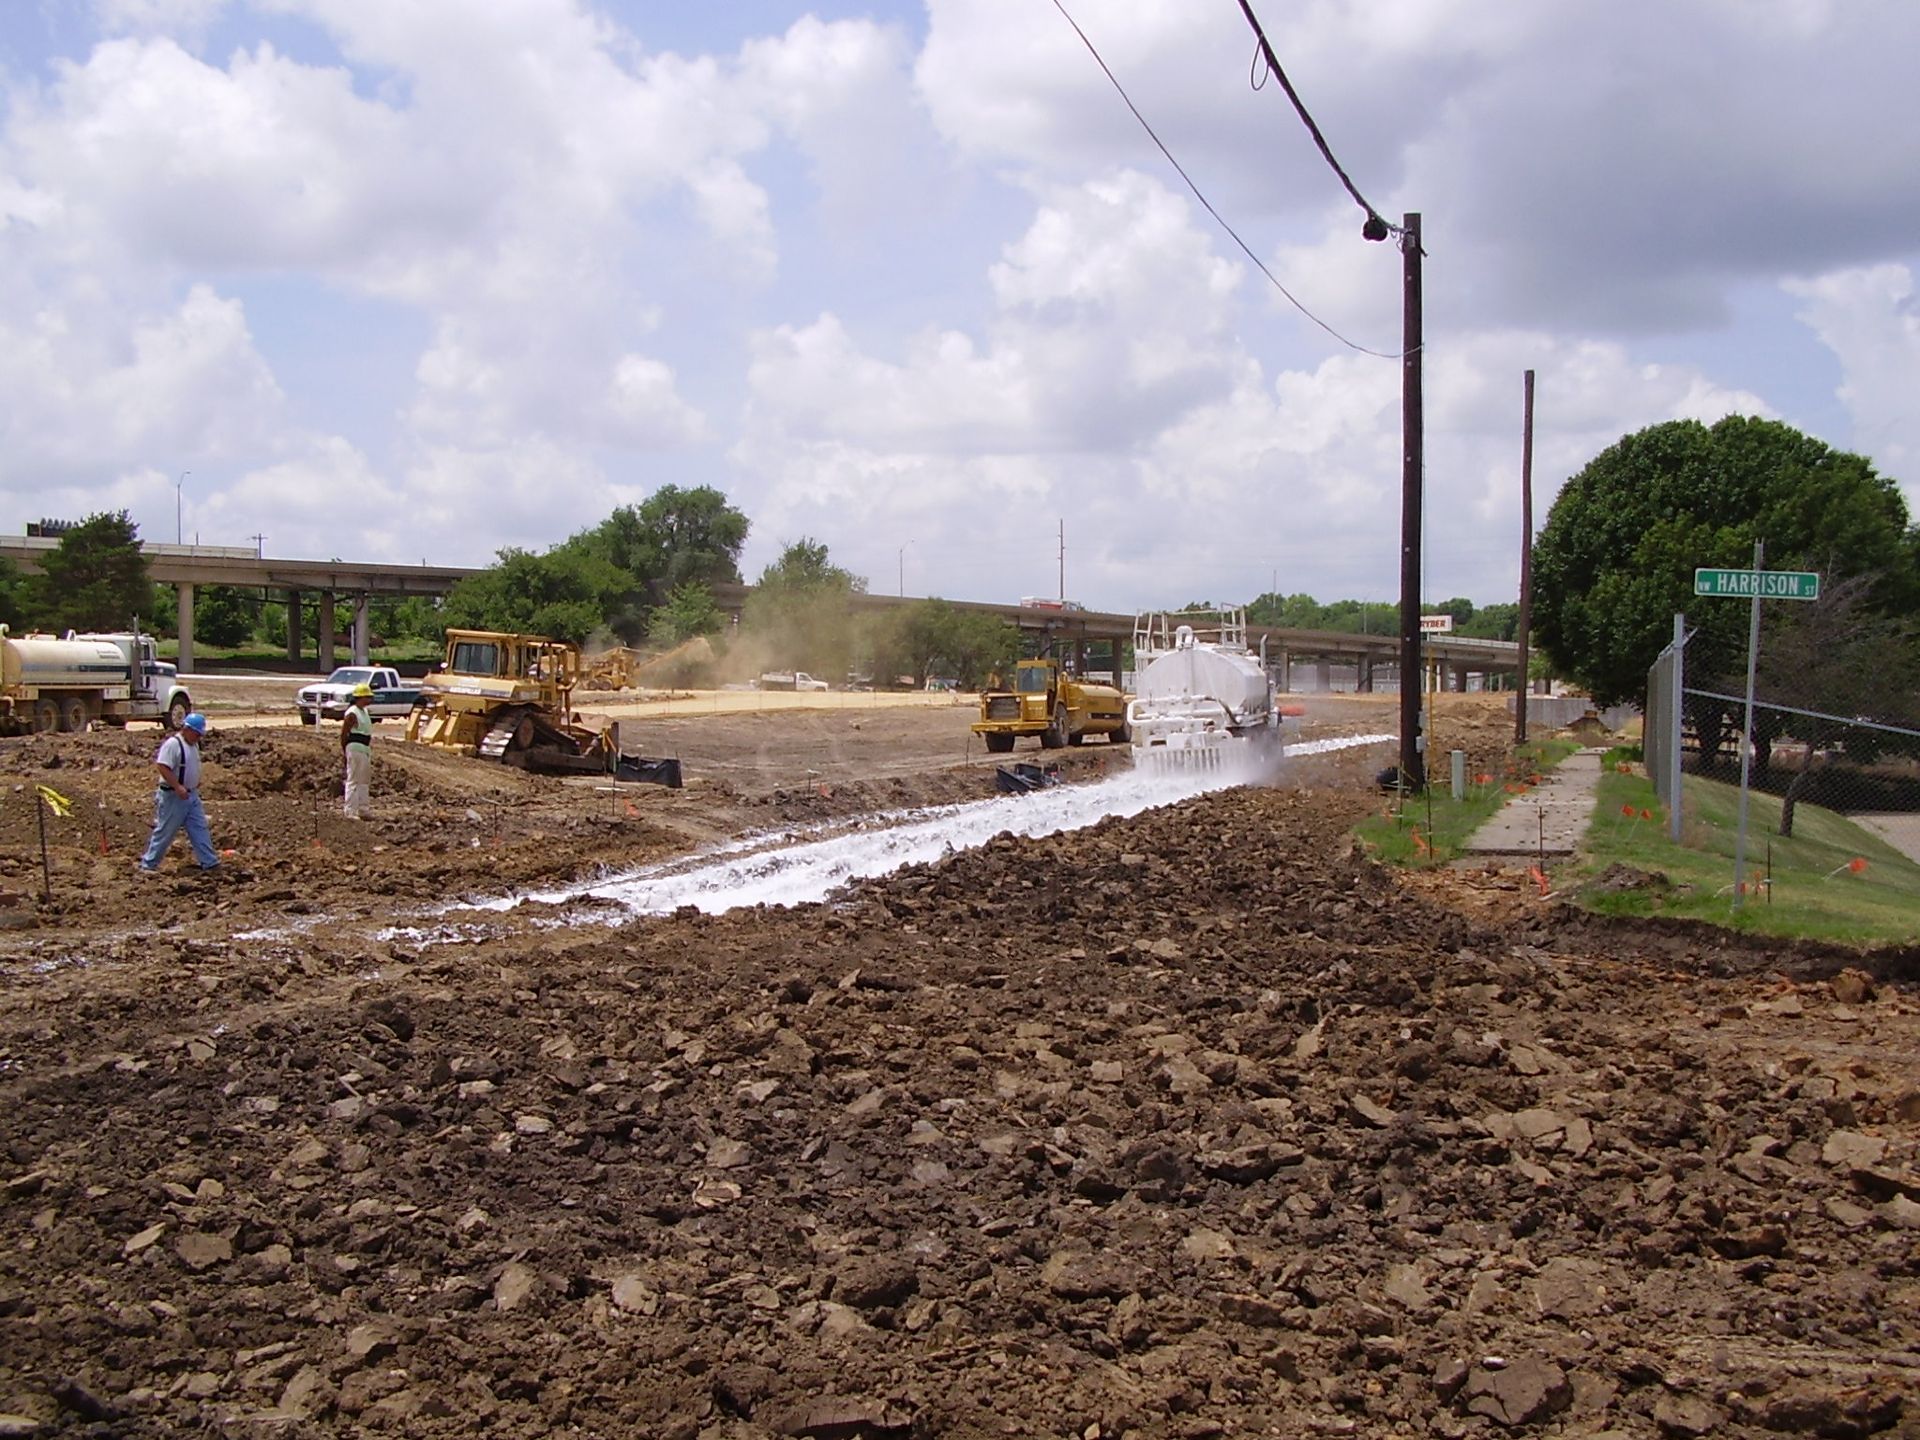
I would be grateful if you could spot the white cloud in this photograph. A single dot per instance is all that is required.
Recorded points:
(1870, 319)
(91, 395)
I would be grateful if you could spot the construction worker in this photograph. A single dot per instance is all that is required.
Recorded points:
(177, 802)
(356, 748)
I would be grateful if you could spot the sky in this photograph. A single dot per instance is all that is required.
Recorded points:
(415, 280)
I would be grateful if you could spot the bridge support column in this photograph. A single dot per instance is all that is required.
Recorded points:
(1460, 673)
(325, 601)
(1323, 676)
(185, 591)
(1363, 675)
(1283, 672)
(293, 626)
(360, 646)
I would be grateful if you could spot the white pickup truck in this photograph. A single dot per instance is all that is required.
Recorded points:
(328, 700)
(791, 680)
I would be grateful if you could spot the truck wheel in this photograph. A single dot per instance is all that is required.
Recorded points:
(307, 717)
(999, 742)
(1055, 735)
(177, 711)
(46, 715)
(1122, 736)
(73, 714)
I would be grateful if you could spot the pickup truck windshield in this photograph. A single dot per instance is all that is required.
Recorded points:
(349, 676)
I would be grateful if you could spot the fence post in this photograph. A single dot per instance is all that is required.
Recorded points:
(1676, 713)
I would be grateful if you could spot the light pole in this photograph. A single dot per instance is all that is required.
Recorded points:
(179, 531)
(903, 570)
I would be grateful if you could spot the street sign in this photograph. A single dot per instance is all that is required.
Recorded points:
(1436, 624)
(1758, 584)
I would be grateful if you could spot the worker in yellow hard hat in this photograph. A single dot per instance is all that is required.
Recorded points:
(356, 749)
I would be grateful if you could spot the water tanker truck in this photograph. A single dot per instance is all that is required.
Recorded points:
(67, 682)
(1200, 695)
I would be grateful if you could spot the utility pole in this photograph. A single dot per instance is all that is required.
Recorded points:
(259, 546)
(1063, 558)
(1526, 561)
(1413, 770)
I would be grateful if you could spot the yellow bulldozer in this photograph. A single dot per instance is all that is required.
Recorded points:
(506, 697)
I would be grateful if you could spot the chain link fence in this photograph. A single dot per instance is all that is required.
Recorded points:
(1844, 789)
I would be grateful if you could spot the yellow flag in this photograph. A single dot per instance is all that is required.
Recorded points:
(61, 805)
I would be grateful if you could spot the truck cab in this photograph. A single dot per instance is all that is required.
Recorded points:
(1048, 702)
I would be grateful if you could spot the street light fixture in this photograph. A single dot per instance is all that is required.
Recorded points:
(179, 530)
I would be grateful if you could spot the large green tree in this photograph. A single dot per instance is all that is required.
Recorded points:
(95, 579)
(936, 637)
(1615, 560)
(673, 538)
(559, 595)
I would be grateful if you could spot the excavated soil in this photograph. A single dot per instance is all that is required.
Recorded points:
(1194, 1124)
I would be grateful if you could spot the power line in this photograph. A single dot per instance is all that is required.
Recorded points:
(1207, 204)
(1377, 227)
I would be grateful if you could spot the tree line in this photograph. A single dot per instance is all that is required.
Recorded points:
(1611, 566)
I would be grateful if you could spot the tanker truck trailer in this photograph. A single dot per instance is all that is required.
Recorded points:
(50, 682)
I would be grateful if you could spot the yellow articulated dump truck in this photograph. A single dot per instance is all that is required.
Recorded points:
(506, 697)
(1046, 701)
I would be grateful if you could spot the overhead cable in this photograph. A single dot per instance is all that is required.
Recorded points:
(1207, 204)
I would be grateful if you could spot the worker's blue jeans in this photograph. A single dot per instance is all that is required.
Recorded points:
(170, 812)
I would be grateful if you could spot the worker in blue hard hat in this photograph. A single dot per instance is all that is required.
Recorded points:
(176, 803)
(356, 750)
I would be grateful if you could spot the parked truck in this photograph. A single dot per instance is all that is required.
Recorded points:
(66, 682)
(1046, 701)
(393, 698)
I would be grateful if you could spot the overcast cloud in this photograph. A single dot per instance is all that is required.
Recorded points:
(418, 279)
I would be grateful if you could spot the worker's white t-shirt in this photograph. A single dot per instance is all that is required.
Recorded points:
(181, 758)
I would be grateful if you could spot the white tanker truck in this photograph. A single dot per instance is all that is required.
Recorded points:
(65, 682)
(1199, 694)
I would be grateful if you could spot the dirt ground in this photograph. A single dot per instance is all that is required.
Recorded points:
(1194, 1124)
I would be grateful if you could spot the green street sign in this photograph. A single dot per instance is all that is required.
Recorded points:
(1758, 584)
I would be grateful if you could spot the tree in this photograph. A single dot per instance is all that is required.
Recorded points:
(688, 611)
(1491, 622)
(644, 553)
(936, 637)
(223, 615)
(558, 594)
(13, 596)
(1615, 561)
(96, 579)
(799, 613)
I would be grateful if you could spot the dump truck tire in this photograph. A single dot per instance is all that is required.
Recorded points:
(73, 714)
(46, 715)
(998, 741)
(1122, 736)
(178, 711)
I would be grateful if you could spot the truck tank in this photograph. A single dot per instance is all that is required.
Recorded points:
(1200, 694)
(41, 661)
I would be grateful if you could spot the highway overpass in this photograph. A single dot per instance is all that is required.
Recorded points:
(325, 582)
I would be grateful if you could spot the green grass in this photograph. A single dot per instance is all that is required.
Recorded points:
(1429, 829)
(1802, 887)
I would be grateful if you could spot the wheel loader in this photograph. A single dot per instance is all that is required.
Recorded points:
(507, 697)
(1046, 701)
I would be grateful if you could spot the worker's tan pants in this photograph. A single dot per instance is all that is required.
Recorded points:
(359, 773)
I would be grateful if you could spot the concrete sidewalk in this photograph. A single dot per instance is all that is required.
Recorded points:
(1550, 818)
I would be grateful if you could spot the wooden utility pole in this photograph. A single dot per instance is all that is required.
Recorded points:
(1526, 561)
(1063, 558)
(1413, 769)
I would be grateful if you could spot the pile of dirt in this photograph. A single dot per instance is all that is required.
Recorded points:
(1191, 1124)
